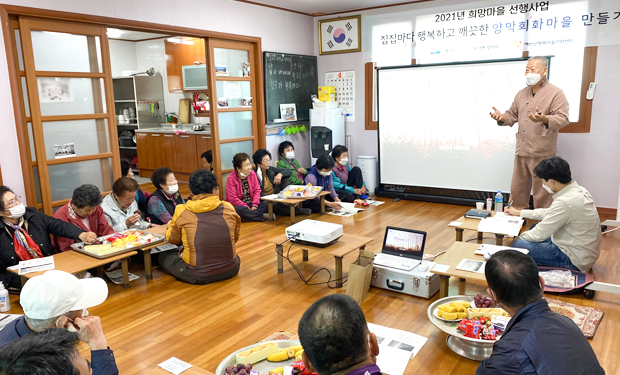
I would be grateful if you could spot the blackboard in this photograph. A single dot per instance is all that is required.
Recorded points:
(289, 79)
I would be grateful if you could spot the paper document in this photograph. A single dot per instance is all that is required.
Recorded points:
(36, 265)
(507, 225)
(271, 196)
(174, 365)
(373, 202)
(441, 268)
(492, 249)
(396, 348)
(471, 265)
(346, 210)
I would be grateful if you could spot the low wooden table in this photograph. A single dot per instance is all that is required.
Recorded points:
(190, 371)
(74, 262)
(472, 224)
(292, 202)
(452, 257)
(148, 264)
(346, 244)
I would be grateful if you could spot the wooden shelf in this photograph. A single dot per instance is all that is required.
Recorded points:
(227, 78)
(202, 114)
(125, 101)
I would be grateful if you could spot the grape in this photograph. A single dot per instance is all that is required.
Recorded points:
(248, 367)
(242, 372)
(479, 295)
(240, 366)
(235, 370)
(476, 298)
(488, 303)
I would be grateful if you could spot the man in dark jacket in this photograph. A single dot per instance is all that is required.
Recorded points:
(536, 340)
(25, 234)
(273, 180)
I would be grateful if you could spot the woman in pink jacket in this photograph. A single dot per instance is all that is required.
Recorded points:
(243, 190)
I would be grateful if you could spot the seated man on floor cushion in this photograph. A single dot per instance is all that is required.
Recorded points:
(348, 182)
(569, 234)
(209, 229)
(536, 340)
(336, 339)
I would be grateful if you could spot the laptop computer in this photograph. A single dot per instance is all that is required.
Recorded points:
(402, 248)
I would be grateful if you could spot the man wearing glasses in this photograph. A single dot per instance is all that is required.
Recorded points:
(58, 299)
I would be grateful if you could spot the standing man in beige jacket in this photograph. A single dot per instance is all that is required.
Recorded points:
(541, 109)
(569, 232)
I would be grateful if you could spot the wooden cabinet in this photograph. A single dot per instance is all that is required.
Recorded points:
(186, 155)
(179, 54)
(149, 156)
(181, 153)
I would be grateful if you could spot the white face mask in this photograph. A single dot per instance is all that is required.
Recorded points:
(324, 174)
(172, 189)
(532, 78)
(548, 189)
(17, 211)
(243, 174)
(344, 161)
(290, 155)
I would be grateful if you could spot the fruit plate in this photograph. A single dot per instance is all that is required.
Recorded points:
(264, 366)
(157, 239)
(299, 194)
(436, 311)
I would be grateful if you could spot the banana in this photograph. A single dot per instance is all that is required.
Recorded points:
(279, 357)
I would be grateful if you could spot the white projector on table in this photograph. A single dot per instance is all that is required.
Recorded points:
(314, 233)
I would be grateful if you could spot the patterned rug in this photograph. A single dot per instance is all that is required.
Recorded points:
(586, 318)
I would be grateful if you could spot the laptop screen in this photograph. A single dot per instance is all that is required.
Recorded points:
(402, 242)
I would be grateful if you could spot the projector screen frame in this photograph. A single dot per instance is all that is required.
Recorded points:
(435, 194)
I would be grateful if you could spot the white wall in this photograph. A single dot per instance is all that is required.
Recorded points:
(593, 156)
(278, 30)
(122, 56)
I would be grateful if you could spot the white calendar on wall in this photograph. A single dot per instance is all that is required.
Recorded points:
(344, 82)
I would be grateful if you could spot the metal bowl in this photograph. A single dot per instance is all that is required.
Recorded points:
(470, 348)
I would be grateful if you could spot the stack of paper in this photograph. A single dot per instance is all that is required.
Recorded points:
(346, 210)
(396, 348)
(501, 224)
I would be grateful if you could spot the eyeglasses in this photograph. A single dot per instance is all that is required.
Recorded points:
(14, 201)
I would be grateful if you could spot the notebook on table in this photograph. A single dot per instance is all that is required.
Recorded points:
(402, 248)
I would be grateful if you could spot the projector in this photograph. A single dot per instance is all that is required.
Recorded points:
(314, 233)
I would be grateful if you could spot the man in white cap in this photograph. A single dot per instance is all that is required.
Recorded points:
(58, 299)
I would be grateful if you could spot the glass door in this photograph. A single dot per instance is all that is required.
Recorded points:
(233, 104)
(69, 87)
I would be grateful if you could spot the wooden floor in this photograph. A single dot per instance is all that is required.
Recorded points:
(160, 318)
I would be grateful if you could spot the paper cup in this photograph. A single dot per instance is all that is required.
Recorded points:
(326, 147)
(480, 205)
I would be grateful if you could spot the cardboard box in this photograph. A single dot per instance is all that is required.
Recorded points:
(327, 93)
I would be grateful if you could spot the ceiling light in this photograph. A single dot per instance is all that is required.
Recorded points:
(174, 40)
(114, 33)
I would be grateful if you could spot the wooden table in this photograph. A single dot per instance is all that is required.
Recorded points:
(74, 262)
(190, 371)
(148, 264)
(472, 224)
(452, 257)
(292, 203)
(346, 244)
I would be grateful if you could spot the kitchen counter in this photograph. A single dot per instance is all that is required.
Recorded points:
(171, 131)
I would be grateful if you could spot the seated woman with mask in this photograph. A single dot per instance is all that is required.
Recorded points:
(160, 205)
(288, 161)
(321, 175)
(243, 190)
(84, 211)
(348, 182)
(25, 234)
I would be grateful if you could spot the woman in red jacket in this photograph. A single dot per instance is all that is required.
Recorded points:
(243, 190)
(83, 211)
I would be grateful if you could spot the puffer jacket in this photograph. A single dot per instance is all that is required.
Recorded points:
(208, 229)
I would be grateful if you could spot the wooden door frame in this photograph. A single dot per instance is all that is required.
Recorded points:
(15, 77)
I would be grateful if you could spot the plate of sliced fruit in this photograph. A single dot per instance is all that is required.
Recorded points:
(118, 243)
(263, 358)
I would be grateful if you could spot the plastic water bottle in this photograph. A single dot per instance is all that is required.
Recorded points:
(499, 202)
(5, 303)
